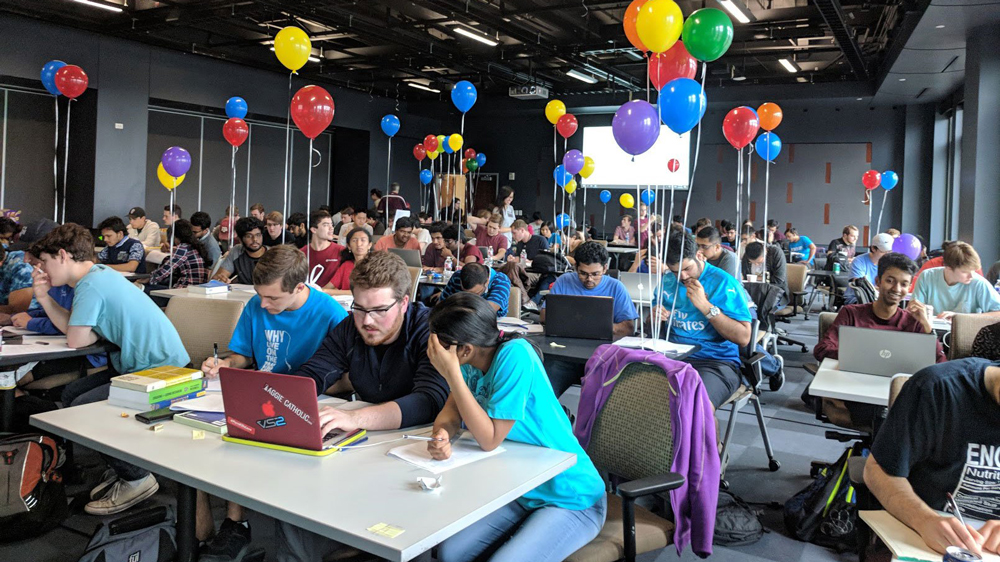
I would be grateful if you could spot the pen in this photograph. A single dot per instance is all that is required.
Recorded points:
(422, 438)
(954, 507)
(215, 353)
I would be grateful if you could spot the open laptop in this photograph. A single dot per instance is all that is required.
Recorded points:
(572, 316)
(411, 257)
(884, 352)
(277, 412)
(632, 282)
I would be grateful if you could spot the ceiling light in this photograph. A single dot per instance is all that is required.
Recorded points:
(422, 87)
(633, 54)
(314, 59)
(859, 99)
(734, 76)
(101, 5)
(902, 79)
(789, 65)
(471, 35)
(574, 73)
(737, 10)
(939, 26)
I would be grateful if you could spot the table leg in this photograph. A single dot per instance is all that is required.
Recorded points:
(187, 543)
(6, 409)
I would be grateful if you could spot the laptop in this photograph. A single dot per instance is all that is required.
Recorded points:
(632, 281)
(411, 257)
(573, 316)
(277, 412)
(885, 353)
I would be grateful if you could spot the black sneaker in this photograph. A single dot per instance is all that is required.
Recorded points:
(231, 543)
(777, 381)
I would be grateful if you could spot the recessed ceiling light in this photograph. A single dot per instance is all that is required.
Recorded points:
(859, 99)
(472, 35)
(737, 10)
(939, 26)
(100, 5)
(422, 87)
(789, 65)
(574, 73)
(902, 79)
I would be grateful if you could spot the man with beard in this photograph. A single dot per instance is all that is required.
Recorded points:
(242, 258)
(383, 345)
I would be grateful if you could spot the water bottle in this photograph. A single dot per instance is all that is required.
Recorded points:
(489, 256)
(627, 236)
(836, 268)
(524, 256)
(449, 266)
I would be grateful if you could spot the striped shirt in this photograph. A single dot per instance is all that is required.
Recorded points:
(187, 265)
(497, 292)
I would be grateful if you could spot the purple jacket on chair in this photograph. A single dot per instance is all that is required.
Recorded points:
(696, 454)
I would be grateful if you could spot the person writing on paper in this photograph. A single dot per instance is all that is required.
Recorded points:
(268, 336)
(942, 435)
(499, 390)
(122, 253)
(956, 287)
(241, 259)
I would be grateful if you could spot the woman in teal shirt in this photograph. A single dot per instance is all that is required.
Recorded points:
(499, 391)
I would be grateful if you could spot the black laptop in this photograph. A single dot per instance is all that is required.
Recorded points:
(572, 316)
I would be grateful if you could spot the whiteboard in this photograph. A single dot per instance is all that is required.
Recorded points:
(614, 168)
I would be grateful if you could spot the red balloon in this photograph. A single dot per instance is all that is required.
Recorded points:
(470, 153)
(71, 81)
(567, 125)
(419, 152)
(871, 179)
(430, 143)
(673, 165)
(312, 110)
(740, 126)
(236, 131)
(673, 63)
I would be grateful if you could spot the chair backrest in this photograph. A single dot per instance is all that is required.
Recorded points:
(825, 320)
(896, 386)
(469, 235)
(796, 274)
(964, 328)
(632, 436)
(514, 303)
(203, 322)
(415, 281)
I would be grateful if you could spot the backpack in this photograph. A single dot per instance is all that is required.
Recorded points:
(824, 512)
(548, 262)
(735, 523)
(144, 536)
(32, 495)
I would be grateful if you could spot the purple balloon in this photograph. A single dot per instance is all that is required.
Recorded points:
(176, 161)
(908, 245)
(573, 162)
(636, 126)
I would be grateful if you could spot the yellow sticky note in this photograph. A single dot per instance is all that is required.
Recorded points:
(197, 434)
(386, 530)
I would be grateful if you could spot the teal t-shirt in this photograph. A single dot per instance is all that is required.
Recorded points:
(121, 313)
(975, 298)
(281, 343)
(517, 388)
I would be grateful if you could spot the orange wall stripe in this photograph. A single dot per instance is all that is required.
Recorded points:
(868, 153)
(788, 196)
(791, 153)
(866, 236)
(718, 191)
(829, 171)
(718, 154)
(788, 225)
(753, 210)
(826, 214)
(753, 171)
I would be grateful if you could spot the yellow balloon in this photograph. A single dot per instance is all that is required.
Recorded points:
(627, 200)
(554, 110)
(455, 142)
(570, 186)
(433, 154)
(659, 24)
(168, 181)
(588, 167)
(292, 46)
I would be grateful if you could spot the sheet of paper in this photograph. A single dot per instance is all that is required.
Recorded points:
(939, 324)
(214, 385)
(463, 452)
(903, 541)
(210, 402)
(515, 325)
(35, 344)
(661, 346)
(18, 331)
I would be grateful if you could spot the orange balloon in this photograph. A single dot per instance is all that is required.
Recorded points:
(769, 115)
(628, 21)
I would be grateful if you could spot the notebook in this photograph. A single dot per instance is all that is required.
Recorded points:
(904, 542)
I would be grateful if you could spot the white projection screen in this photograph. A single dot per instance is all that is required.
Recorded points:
(614, 168)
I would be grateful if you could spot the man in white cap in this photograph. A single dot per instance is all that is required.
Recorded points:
(866, 265)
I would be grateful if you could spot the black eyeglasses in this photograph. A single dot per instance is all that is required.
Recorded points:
(377, 313)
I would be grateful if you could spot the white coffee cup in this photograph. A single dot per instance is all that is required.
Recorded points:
(751, 278)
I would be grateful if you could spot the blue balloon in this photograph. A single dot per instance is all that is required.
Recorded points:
(426, 176)
(753, 110)
(447, 146)
(605, 196)
(481, 159)
(563, 220)
(464, 95)
(561, 176)
(648, 196)
(768, 146)
(390, 125)
(236, 107)
(49, 76)
(889, 180)
(682, 104)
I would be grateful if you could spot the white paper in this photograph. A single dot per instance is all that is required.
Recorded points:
(210, 402)
(463, 452)
(515, 325)
(904, 542)
(660, 346)
(214, 385)
(35, 344)
(18, 331)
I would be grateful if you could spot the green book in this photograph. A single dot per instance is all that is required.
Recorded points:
(159, 395)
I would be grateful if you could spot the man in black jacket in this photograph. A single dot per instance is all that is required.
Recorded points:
(842, 249)
(755, 262)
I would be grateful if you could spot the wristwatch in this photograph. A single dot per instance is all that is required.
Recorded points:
(713, 312)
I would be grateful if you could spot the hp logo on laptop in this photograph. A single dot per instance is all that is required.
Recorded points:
(885, 354)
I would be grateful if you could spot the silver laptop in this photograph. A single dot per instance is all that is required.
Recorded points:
(884, 352)
(632, 281)
(411, 257)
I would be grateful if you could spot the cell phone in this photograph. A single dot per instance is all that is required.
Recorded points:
(153, 416)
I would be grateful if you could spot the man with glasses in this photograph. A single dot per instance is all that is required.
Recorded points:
(589, 280)
(383, 345)
(710, 247)
(201, 227)
(402, 238)
(272, 229)
(238, 265)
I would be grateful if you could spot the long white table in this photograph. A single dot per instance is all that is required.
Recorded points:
(236, 294)
(339, 496)
(830, 382)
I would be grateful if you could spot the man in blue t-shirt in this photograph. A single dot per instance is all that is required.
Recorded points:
(711, 311)
(866, 265)
(589, 280)
(800, 247)
(122, 253)
(281, 327)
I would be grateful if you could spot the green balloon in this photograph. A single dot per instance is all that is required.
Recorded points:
(472, 164)
(707, 34)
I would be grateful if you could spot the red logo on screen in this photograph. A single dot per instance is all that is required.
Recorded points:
(268, 409)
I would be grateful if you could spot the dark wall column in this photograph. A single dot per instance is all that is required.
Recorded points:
(916, 175)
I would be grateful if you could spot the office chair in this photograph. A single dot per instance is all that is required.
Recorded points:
(964, 329)
(796, 273)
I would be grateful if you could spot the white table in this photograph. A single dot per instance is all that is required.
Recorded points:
(339, 496)
(236, 294)
(830, 382)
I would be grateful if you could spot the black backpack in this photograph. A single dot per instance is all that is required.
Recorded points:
(735, 523)
(32, 495)
(546, 261)
(824, 512)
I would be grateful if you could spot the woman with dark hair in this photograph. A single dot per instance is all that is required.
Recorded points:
(357, 244)
(499, 390)
(186, 262)
(549, 232)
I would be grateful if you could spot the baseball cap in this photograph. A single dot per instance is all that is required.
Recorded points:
(883, 242)
(136, 212)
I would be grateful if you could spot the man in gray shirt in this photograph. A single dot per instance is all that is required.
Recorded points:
(201, 227)
(710, 246)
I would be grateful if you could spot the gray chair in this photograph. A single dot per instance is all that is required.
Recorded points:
(964, 329)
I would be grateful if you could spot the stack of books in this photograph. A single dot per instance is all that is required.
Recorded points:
(156, 388)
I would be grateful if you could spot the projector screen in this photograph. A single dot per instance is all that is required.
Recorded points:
(614, 168)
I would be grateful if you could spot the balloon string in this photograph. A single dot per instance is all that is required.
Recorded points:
(878, 227)
(647, 75)
(170, 251)
(739, 197)
(249, 147)
(309, 179)
(232, 197)
(69, 105)
(55, 167)
(388, 168)
(288, 130)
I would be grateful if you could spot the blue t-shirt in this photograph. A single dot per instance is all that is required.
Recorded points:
(862, 266)
(800, 248)
(975, 298)
(691, 327)
(281, 343)
(516, 388)
(569, 284)
(121, 313)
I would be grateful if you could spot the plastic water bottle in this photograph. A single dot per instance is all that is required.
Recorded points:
(489, 256)
(449, 266)
(627, 236)
(524, 256)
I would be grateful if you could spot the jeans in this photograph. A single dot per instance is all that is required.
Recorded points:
(514, 533)
(563, 374)
(299, 545)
